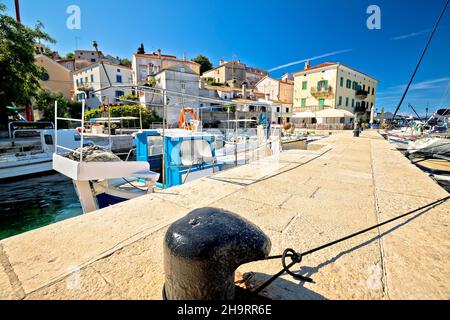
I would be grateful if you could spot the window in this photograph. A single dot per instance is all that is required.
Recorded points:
(278, 110)
(355, 85)
(118, 70)
(321, 103)
(48, 140)
(119, 94)
(342, 82)
(304, 85)
(287, 111)
(45, 76)
(86, 79)
(118, 78)
(155, 146)
(303, 103)
(323, 84)
(368, 90)
(353, 103)
(373, 91)
(93, 60)
(346, 101)
(92, 78)
(78, 82)
(340, 101)
(349, 84)
(81, 81)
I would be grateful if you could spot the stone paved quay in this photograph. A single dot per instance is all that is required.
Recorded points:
(301, 199)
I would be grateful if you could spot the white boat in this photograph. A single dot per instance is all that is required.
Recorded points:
(27, 156)
(430, 146)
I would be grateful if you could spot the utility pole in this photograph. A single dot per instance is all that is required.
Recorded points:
(28, 108)
(17, 11)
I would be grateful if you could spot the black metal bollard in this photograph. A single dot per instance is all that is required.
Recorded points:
(203, 250)
(356, 133)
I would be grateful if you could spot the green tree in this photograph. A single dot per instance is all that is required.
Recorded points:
(203, 61)
(70, 55)
(125, 62)
(45, 102)
(141, 49)
(19, 75)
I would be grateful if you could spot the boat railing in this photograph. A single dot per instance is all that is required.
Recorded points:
(82, 129)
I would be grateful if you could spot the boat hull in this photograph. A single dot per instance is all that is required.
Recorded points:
(10, 172)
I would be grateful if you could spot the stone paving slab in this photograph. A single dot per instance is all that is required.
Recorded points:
(301, 199)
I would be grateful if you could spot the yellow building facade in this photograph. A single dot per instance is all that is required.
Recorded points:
(56, 77)
(336, 86)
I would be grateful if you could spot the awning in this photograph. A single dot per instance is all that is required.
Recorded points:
(334, 113)
(304, 115)
(112, 120)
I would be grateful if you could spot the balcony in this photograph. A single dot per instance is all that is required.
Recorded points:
(311, 108)
(361, 107)
(322, 92)
(361, 94)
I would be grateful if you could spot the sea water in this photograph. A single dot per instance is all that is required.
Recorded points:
(31, 203)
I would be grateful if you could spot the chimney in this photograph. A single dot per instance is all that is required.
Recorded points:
(244, 91)
(307, 65)
(221, 62)
(159, 54)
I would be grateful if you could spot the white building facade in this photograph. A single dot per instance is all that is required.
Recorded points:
(94, 78)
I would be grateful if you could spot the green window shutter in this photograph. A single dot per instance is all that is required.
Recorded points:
(305, 85)
(340, 101)
(321, 103)
(346, 102)
(303, 103)
(353, 103)
(326, 84)
(342, 82)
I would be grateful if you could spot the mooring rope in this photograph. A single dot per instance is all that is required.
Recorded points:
(297, 257)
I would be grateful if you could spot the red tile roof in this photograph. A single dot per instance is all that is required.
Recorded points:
(322, 65)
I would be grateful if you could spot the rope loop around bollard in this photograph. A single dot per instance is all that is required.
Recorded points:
(296, 258)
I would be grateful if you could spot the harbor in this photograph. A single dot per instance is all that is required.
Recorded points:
(190, 165)
(341, 186)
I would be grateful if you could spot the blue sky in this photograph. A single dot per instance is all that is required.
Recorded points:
(269, 34)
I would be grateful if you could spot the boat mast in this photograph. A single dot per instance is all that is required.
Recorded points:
(420, 60)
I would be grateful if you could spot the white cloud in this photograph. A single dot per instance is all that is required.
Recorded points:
(410, 35)
(310, 59)
(427, 84)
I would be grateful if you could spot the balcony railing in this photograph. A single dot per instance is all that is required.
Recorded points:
(322, 92)
(311, 108)
(361, 94)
